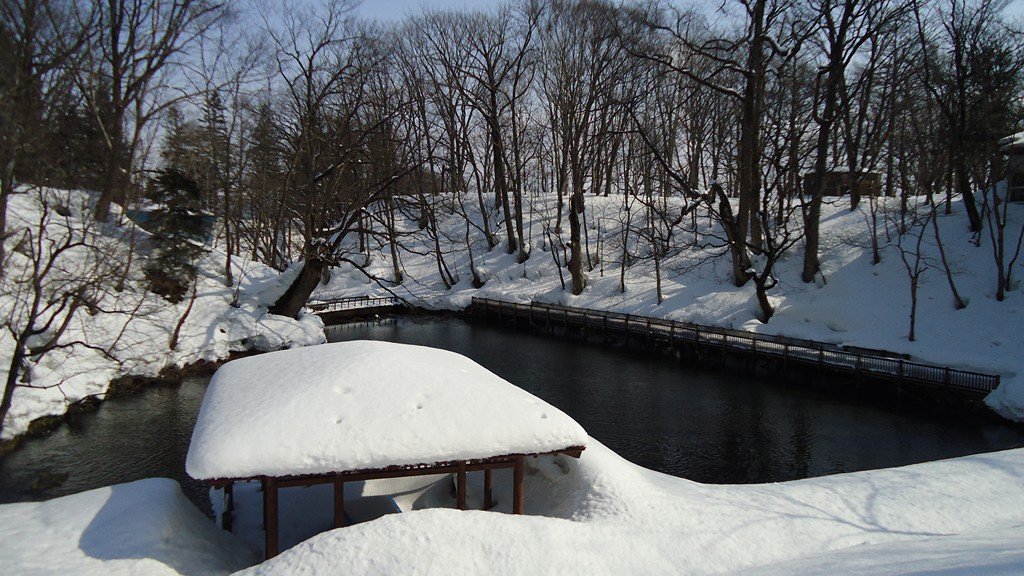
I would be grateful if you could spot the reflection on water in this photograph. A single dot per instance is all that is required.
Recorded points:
(709, 426)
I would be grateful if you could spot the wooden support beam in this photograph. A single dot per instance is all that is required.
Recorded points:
(229, 506)
(339, 503)
(270, 524)
(492, 463)
(460, 486)
(488, 497)
(518, 478)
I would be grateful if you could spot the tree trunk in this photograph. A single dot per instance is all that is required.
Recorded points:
(295, 297)
(813, 225)
(737, 248)
(14, 370)
(113, 168)
(913, 309)
(6, 189)
(767, 311)
(749, 224)
(392, 233)
(579, 281)
(963, 183)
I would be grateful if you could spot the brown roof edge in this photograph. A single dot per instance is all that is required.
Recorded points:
(405, 470)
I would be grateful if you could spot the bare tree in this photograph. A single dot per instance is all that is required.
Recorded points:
(736, 68)
(845, 29)
(59, 266)
(39, 40)
(134, 43)
(581, 62)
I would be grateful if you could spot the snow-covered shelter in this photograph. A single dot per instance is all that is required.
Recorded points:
(843, 181)
(356, 411)
(1012, 147)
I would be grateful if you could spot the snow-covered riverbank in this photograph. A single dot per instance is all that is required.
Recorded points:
(856, 303)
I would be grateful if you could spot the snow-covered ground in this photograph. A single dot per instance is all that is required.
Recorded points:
(596, 515)
(137, 326)
(856, 303)
(143, 527)
(604, 515)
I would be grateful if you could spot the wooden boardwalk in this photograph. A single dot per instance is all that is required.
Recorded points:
(655, 331)
(338, 310)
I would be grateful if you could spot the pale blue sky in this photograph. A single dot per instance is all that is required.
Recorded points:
(390, 10)
(398, 9)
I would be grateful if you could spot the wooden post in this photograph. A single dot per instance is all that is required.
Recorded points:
(517, 486)
(270, 517)
(229, 506)
(460, 486)
(339, 503)
(488, 498)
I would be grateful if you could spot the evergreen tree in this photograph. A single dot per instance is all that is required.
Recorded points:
(178, 231)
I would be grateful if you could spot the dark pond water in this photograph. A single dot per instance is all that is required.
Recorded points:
(703, 424)
(140, 436)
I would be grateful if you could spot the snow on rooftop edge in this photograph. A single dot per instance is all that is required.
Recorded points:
(364, 405)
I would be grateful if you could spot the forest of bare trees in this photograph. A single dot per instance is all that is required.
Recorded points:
(313, 135)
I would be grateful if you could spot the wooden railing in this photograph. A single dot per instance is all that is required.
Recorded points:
(880, 365)
(352, 303)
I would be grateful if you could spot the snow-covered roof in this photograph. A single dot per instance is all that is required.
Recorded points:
(365, 405)
(1012, 142)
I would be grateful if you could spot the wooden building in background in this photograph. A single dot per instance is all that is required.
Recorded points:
(1012, 148)
(842, 182)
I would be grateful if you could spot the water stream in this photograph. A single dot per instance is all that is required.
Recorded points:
(701, 423)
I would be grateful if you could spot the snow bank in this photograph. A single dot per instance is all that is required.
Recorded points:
(365, 405)
(607, 516)
(144, 527)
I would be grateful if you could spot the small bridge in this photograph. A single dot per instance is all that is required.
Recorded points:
(337, 310)
(875, 364)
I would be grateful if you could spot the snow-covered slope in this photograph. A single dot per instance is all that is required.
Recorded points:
(856, 303)
(132, 335)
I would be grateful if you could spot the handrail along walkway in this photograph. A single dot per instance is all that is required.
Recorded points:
(807, 352)
(352, 303)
